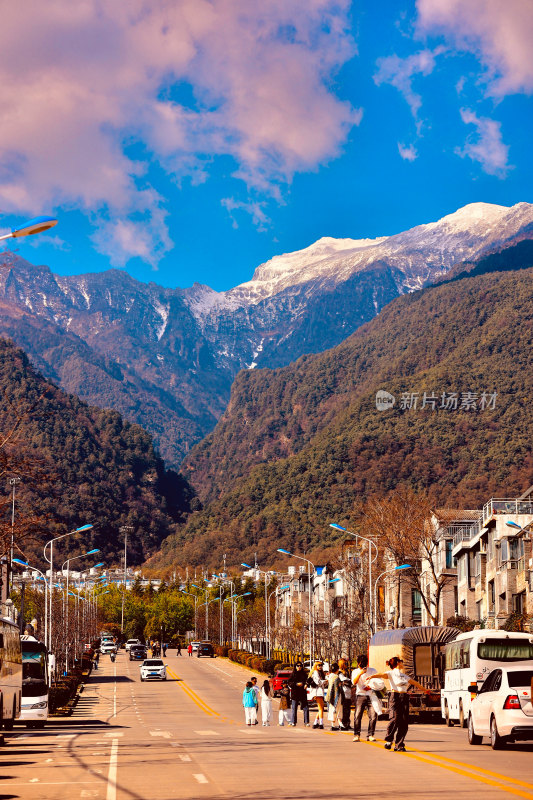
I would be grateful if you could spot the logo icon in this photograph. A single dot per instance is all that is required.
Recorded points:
(384, 400)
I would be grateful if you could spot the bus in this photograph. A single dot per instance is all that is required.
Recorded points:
(34, 711)
(10, 672)
(469, 659)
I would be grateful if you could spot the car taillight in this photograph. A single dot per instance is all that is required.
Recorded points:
(512, 702)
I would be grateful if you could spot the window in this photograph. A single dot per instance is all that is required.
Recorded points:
(519, 602)
(465, 653)
(450, 561)
(516, 548)
(416, 604)
(490, 684)
(521, 677)
(505, 650)
(492, 596)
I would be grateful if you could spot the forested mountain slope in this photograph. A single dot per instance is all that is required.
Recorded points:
(299, 446)
(79, 465)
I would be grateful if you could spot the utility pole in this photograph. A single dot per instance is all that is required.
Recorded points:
(124, 529)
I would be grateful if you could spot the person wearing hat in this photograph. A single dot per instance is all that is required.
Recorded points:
(363, 699)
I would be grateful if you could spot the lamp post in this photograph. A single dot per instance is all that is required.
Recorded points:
(275, 591)
(370, 561)
(124, 529)
(195, 604)
(67, 562)
(30, 228)
(223, 580)
(25, 564)
(262, 572)
(206, 590)
(311, 616)
(385, 572)
(13, 483)
(51, 562)
(233, 601)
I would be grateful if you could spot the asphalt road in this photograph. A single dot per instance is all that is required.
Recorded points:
(186, 738)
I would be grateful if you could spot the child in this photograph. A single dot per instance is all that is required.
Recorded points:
(266, 703)
(284, 704)
(249, 702)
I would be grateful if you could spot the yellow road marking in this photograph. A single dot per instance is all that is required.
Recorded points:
(193, 696)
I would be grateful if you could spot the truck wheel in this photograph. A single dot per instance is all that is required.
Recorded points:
(473, 738)
(8, 723)
(447, 718)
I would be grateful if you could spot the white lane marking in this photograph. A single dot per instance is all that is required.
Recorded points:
(89, 793)
(185, 757)
(207, 733)
(66, 735)
(34, 780)
(162, 734)
(49, 760)
(200, 778)
(113, 735)
(112, 774)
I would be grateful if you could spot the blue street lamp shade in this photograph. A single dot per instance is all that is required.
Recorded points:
(36, 225)
(197, 587)
(92, 552)
(245, 594)
(19, 561)
(334, 580)
(246, 565)
(338, 527)
(513, 525)
(281, 588)
(215, 575)
(100, 563)
(83, 528)
(285, 552)
(404, 566)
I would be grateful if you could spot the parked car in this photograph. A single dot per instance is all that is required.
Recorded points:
(108, 647)
(205, 649)
(195, 646)
(153, 669)
(502, 708)
(131, 643)
(137, 653)
(280, 675)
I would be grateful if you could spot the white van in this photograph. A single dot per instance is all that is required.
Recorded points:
(470, 658)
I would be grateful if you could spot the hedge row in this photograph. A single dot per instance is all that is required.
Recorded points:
(250, 660)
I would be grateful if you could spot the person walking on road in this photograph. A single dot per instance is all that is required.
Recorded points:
(189, 649)
(249, 701)
(333, 696)
(318, 683)
(266, 703)
(298, 686)
(257, 695)
(284, 714)
(178, 649)
(398, 702)
(365, 698)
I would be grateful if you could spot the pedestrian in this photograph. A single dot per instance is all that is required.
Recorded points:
(365, 698)
(298, 686)
(333, 696)
(257, 694)
(398, 702)
(345, 701)
(178, 649)
(164, 650)
(284, 713)
(318, 683)
(249, 701)
(189, 649)
(266, 703)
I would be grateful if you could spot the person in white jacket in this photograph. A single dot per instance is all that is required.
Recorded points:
(266, 703)
(365, 697)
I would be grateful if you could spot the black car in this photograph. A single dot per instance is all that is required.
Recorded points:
(205, 649)
(137, 653)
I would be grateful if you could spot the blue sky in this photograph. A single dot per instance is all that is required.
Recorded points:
(192, 142)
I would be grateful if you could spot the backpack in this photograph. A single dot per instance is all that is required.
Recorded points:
(346, 689)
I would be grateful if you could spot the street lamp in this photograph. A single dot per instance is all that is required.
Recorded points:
(221, 624)
(195, 603)
(125, 530)
(275, 591)
(233, 601)
(266, 609)
(13, 482)
(385, 572)
(67, 562)
(30, 228)
(311, 616)
(370, 561)
(51, 562)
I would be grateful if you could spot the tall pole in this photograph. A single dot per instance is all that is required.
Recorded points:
(124, 529)
(13, 482)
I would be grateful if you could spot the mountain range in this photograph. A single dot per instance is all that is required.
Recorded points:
(167, 358)
(304, 445)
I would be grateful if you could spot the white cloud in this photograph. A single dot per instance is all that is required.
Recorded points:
(91, 96)
(408, 153)
(255, 209)
(486, 145)
(400, 73)
(499, 32)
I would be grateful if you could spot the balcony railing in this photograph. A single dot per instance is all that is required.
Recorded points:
(495, 506)
(463, 533)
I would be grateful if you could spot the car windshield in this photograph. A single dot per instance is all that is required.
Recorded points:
(522, 677)
(153, 662)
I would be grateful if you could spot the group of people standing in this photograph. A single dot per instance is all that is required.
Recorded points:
(339, 689)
